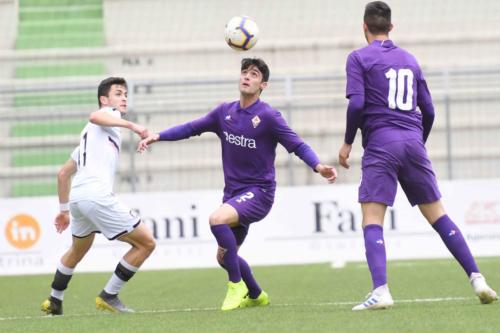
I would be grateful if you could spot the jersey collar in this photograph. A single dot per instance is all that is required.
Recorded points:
(387, 43)
(249, 109)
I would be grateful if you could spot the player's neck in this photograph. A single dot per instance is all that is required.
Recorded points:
(247, 100)
(371, 38)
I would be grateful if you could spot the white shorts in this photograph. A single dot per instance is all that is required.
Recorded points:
(108, 216)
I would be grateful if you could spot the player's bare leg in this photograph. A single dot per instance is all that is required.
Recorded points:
(79, 247)
(143, 244)
(373, 220)
(452, 237)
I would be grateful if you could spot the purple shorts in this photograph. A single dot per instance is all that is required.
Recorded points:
(404, 161)
(252, 205)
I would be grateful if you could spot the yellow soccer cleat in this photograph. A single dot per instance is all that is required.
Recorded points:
(113, 305)
(262, 300)
(236, 292)
(52, 306)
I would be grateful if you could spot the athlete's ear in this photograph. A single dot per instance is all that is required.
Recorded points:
(103, 100)
(263, 85)
(390, 27)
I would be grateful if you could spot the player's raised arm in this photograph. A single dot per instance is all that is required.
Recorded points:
(207, 123)
(106, 119)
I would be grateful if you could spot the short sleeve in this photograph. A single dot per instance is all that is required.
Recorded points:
(75, 153)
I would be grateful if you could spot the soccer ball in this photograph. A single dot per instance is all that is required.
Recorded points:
(241, 33)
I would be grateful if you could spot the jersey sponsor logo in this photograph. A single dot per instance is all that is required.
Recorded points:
(240, 140)
(255, 121)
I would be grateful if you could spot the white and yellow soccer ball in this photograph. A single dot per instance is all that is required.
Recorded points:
(241, 33)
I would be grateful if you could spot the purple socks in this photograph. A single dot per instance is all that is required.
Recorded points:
(449, 232)
(246, 273)
(455, 242)
(375, 254)
(225, 238)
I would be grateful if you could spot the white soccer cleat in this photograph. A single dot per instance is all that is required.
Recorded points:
(379, 298)
(481, 289)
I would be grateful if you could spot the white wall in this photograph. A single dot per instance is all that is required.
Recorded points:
(306, 225)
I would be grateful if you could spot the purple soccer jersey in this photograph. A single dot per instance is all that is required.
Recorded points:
(390, 84)
(248, 139)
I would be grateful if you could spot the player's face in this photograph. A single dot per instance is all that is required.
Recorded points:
(251, 81)
(117, 98)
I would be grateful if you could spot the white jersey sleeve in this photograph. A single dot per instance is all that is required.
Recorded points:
(97, 159)
(75, 153)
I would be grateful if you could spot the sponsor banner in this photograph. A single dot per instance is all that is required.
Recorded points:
(306, 225)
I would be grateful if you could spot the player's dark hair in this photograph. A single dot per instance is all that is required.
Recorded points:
(105, 86)
(259, 63)
(378, 17)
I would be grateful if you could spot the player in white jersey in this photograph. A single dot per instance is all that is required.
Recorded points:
(92, 203)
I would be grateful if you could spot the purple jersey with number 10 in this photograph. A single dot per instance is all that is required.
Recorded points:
(393, 85)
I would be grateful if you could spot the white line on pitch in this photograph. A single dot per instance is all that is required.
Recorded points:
(416, 300)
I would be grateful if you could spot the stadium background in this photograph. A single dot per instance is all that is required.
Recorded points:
(53, 53)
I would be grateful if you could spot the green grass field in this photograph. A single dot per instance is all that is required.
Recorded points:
(430, 296)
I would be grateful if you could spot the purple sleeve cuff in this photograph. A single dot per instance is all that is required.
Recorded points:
(306, 154)
(177, 133)
(353, 117)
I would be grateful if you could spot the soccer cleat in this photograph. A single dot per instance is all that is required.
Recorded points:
(236, 292)
(52, 306)
(481, 289)
(105, 302)
(262, 300)
(380, 298)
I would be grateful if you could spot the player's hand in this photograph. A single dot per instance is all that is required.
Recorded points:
(62, 221)
(344, 152)
(327, 172)
(140, 130)
(144, 144)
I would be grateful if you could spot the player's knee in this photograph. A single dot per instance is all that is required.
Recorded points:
(216, 218)
(220, 258)
(149, 245)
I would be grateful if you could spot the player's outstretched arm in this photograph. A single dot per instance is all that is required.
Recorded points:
(344, 153)
(327, 171)
(145, 143)
(105, 119)
(63, 188)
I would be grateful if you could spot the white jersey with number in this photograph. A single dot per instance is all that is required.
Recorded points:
(97, 159)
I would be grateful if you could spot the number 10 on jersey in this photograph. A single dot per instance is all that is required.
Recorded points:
(400, 81)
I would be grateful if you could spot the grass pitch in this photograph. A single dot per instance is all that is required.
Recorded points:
(430, 296)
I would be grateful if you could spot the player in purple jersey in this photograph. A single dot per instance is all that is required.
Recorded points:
(384, 86)
(249, 131)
